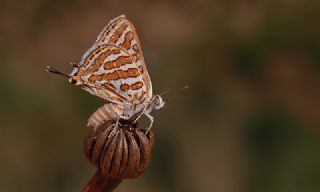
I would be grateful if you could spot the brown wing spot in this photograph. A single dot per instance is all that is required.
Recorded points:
(94, 78)
(116, 51)
(91, 56)
(111, 27)
(122, 60)
(118, 33)
(124, 87)
(136, 49)
(121, 74)
(98, 51)
(142, 96)
(136, 86)
(81, 71)
(126, 45)
(96, 64)
(99, 61)
(133, 72)
(129, 36)
(110, 76)
(127, 40)
(110, 87)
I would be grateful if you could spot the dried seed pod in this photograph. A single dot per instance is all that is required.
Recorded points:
(120, 153)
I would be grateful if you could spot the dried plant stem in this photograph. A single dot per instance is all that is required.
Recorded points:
(98, 184)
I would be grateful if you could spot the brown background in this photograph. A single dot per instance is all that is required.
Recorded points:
(249, 122)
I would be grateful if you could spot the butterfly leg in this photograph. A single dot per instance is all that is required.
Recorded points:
(151, 122)
(115, 128)
(138, 117)
(116, 125)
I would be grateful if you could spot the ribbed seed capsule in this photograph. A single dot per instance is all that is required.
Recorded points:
(119, 154)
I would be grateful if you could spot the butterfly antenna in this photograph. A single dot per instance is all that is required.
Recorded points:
(178, 89)
(165, 92)
(53, 70)
(184, 87)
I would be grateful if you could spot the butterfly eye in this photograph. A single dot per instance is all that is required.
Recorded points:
(157, 101)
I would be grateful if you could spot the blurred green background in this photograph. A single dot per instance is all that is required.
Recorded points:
(250, 121)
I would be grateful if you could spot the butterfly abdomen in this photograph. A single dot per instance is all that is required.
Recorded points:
(107, 112)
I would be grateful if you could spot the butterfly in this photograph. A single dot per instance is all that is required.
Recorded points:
(114, 70)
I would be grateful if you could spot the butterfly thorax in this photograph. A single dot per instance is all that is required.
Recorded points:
(135, 108)
(156, 102)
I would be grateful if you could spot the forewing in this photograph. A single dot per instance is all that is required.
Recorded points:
(121, 32)
(109, 72)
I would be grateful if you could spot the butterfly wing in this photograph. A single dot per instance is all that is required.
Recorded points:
(121, 32)
(110, 72)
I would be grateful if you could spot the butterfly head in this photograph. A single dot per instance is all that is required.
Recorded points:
(158, 102)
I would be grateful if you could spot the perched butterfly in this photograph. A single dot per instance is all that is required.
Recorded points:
(114, 69)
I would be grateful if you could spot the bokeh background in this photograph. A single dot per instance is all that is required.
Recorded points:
(249, 122)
